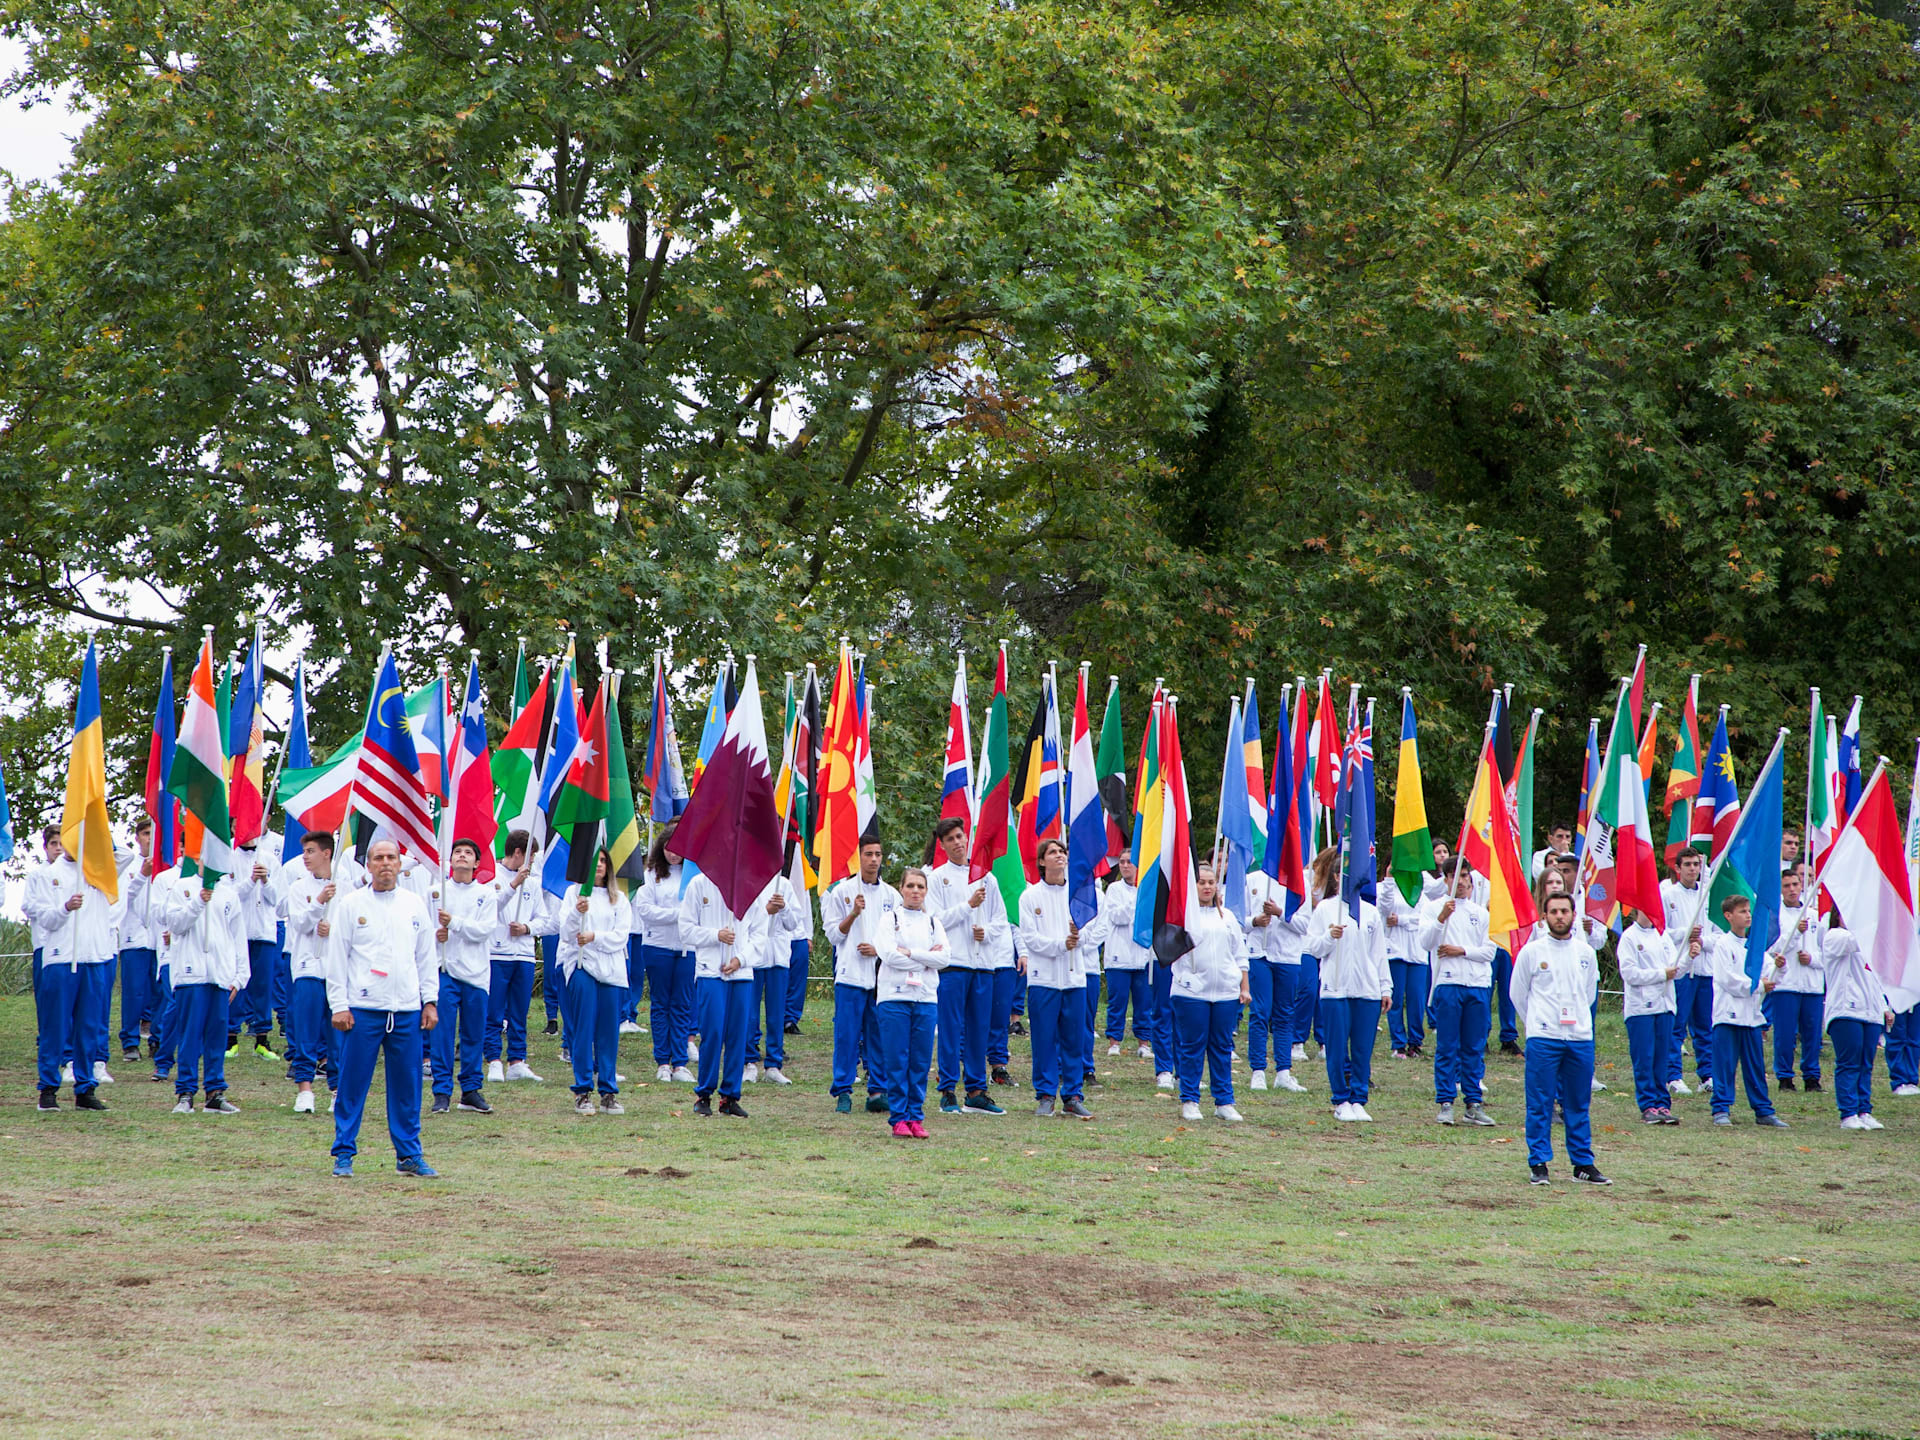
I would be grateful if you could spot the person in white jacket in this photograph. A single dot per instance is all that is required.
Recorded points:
(209, 964)
(857, 916)
(469, 914)
(907, 1003)
(1210, 984)
(1274, 939)
(1688, 926)
(519, 905)
(1857, 1013)
(788, 918)
(1648, 968)
(1050, 958)
(1798, 1002)
(306, 899)
(975, 919)
(251, 1022)
(139, 947)
(78, 931)
(669, 963)
(1453, 929)
(1128, 967)
(593, 955)
(1738, 1018)
(724, 947)
(1556, 979)
(1355, 986)
(383, 986)
(1409, 966)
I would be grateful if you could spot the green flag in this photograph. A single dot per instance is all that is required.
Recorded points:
(624, 850)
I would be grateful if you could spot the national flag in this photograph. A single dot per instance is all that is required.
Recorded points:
(626, 850)
(1149, 825)
(1649, 748)
(865, 797)
(1637, 688)
(731, 828)
(992, 851)
(1488, 843)
(315, 797)
(1589, 782)
(1412, 839)
(666, 783)
(1086, 821)
(1256, 773)
(1233, 830)
(1289, 838)
(1111, 765)
(1036, 795)
(1683, 774)
(1716, 807)
(1868, 878)
(198, 775)
(1503, 754)
(469, 814)
(516, 764)
(1749, 862)
(297, 756)
(1324, 741)
(388, 787)
(6, 823)
(836, 839)
(1622, 809)
(85, 831)
(246, 744)
(581, 804)
(1913, 836)
(1523, 786)
(1359, 874)
(563, 741)
(714, 726)
(799, 771)
(956, 786)
(162, 809)
(427, 721)
(1172, 870)
(1848, 761)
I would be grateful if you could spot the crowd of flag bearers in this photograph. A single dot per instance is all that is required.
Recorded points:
(428, 885)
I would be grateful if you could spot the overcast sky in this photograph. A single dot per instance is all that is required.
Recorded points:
(35, 142)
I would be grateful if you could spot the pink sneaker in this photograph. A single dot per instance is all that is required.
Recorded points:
(902, 1130)
(919, 1130)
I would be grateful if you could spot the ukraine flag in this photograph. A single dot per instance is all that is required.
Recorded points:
(84, 829)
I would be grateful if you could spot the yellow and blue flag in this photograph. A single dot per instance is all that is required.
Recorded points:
(85, 831)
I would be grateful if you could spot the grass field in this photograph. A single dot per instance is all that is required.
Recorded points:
(802, 1274)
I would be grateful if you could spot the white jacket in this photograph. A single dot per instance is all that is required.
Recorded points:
(1736, 999)
(1553, 988)
(1401, 922)
(911, 961)
(210, 938)
(656, 911)
(608, 915)
(1854, 992)
(1680, 904)
(1465, 927)
(703, 915)
(1044, 921)
(871, 927)
(259, 899)
(791, 924)
(1214, 967)
(140, 926)
(87, 936)
(948, 891)
(526, 905)
(1354, 967)
(300, 904)
(380, 954)
(1121, 952)
(1644, 954)
(1281, 939)
(473, 911)
(1799, 979)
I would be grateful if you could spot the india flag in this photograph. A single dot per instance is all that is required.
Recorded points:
(198, 776)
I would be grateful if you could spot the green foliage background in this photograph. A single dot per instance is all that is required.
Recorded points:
(1442, 345)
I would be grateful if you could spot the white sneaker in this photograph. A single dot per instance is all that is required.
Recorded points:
(693, 1052)
(1259, 1079)
(100, 1075)
(1299, 1054)
(66, 1074)
(1906, 1089)
(1189, 1110)
(1145, 1052)
(683, 1075)
(1285, 1081)
(776, 1075)
(664, 1073)
(629, 1027)
(1344, 1111)
(1163, 1081)
(303, 1103)
(584, 1105)
(1678, 1087)
(1227, 1112)
(496, 1071)
(184, 1106)
(611, 1106)
(1867, 1122)
(1360, 1113)
(1598, 1086)
(1114, 1048)
(1849, 1122)
(750, 1075)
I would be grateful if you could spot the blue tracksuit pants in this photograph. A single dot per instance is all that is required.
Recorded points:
(769, 1006)
(593, 1033)
(70, 1002)
(1649, 1043)
(311, 1037)
(1056, 1021)
(1203, 1032)
(906, 1039)
(396, 1036)
(1462, 1015)
(1855, 1043)
(1796, 1020)
(999, 1021)
(1306, 1002)
(855, 1037)
(670, 1003)
(201, 1016)
(1407, 1013)
(553, 983)
(456, 1041)
(138, 989)
(1739, 1046)
(1693, 1017)
(797, 967)
(1903, 1048)
(1166, 1057)
(509, 997)
(1124, 988)
(1350, 1027)
(723, 1007)
(966, 1002)
(1559, 1070)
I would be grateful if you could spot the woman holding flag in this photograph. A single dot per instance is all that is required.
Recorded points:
(1210, 985)
(593, 952)
(656, 910)
(1356, 986)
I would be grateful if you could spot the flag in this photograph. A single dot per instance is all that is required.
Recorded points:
(1589, 781)
(1256, 773)
(1848, 763)
(1683, 774)
(1716, 806)
(714, 726)
(1086, 818)
(580, 805)
(1111, 766)
(315, 796)
(198, 776)
(1523, 788)
(1913, 850)
(1324, 741)
(246, 743)
(427, 721)
(563, 741)
(666, 783)
(1622, 809)
(793, 790)
(1503, 757)
(956, 786)
(1649, 749)
(6, 825)
(1359, 875)
(866, 803)
(162, 809)
(1233, 830)
(1867, 877)
(85, 831)
(1149, 824)
(298, 755)
(836, 840)
(1287, 839)
(1488, 843)
(1176, 889)
(731, 828)
(1749, 862)
(469, 814)
(1637, 688)
(991, 852)
(625, 849)
(517, 762)
(1412, 839)
(388, 787)
(1036, 782)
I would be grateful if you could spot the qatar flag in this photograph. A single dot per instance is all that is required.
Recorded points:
(731, 828)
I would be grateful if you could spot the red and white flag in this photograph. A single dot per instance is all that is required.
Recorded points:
(469, 815)
(1866, 874)
(956, 789)
(732, 828)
